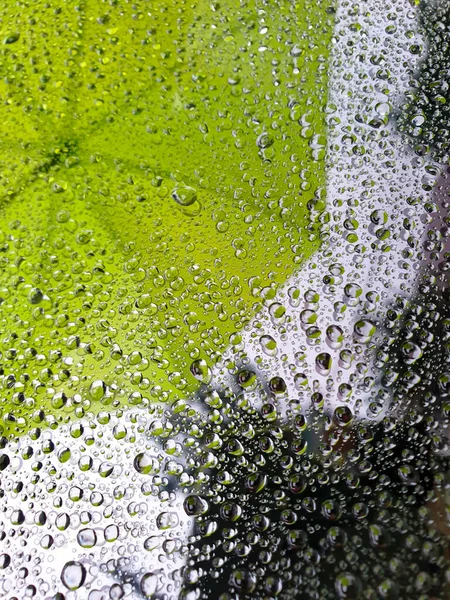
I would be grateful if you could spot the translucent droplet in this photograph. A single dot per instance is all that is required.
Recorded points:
(149, 585)
(195, 506)
(167, 520)
(73, 575)
(184, 195)
(87, 538)
(264, 141)
(343, 415)
(323, 363)
(348, 586)
(268, 345)
(363, 331)
(146, 464)
(201, 371)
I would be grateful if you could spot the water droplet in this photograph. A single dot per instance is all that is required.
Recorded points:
(323, 363)
(149, 585)
(87, 538)
(268, 345)
(184, 195)
(343, 415)
(195, 506)
(73, 575)
(146, 464)
(201, 371)
(363, 331)
(167, 520)
(12, 38)
(264, 141)
(348, 586)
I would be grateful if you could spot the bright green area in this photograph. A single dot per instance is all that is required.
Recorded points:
(161, 168)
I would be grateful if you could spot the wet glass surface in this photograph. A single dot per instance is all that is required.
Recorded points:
(224, 300)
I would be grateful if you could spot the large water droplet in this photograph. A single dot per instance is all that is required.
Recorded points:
(73, 575)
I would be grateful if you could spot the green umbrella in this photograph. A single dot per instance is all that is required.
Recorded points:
(162, 172)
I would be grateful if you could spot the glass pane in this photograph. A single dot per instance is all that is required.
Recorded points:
(224, 299)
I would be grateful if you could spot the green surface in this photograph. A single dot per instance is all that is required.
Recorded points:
(160, 169)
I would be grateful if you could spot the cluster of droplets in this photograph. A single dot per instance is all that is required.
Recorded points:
(216, 495)
(133, 255)
(177, 423)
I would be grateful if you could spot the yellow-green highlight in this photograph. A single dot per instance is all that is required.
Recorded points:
(157, 161)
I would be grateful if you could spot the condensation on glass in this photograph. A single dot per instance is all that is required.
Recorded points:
(224, 300)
